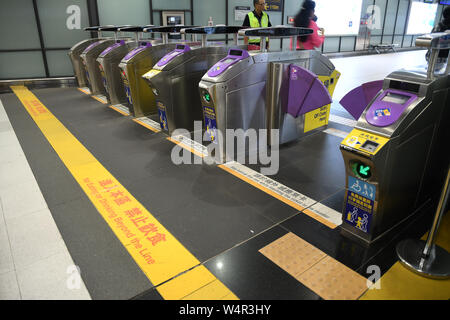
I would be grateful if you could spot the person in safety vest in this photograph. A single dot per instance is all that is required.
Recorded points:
(257, 19)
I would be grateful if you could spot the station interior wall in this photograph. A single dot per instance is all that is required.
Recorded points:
(36, 39)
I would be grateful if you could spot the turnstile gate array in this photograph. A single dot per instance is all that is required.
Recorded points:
(75, 52)
(89, 60)
(140, 98)
(109, 59)
(174, 79)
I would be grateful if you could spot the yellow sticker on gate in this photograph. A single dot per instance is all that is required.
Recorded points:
(151, 73)
(365, 141)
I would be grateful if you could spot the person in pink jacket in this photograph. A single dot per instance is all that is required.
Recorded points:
(305, 18)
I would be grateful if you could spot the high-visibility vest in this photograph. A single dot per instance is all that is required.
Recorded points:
(254, 23)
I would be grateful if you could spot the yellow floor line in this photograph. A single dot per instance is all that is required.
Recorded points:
(279, 197)
(262, 188)
(119, 111)
(193, 283)
(84, 91)
(145, 125)
(155, 250)
(185, 147)
(100, 100)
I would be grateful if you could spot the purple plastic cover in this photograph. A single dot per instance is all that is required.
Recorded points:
(371, 89)
(388, 107)
(306, 92)
(356, 101)
(135, 51)
(94, 44)
(110, 48)
(180, 49)
(234, 55)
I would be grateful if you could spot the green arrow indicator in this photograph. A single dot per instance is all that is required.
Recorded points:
(364, 171)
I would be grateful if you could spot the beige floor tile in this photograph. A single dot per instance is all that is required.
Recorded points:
(9, 289)
(52, 279)
(34, 237)
(14, 173)
(6, 261)
(22, 199)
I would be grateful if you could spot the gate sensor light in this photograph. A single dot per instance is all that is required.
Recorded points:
(207, 97)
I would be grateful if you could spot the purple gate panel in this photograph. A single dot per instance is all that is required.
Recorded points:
(356, 101)
(318, 96)
(306, 92)
(135, 51)
(180, 49)
(92, 45)
(371, 89)
(110, 48)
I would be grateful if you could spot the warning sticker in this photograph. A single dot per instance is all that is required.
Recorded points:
(162, 116)
(358, 211)
(361, 187)
(317, 118)
(128, 92)
(211, 125)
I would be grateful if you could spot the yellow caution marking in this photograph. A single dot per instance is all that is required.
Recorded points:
(84, 91)
(118, 110)
(321, 213)
(100, 100)
(262, 188)
(146, 125)
(184, 146)
(154, 249)
(213, 291)
(186, 284)
(319, 218)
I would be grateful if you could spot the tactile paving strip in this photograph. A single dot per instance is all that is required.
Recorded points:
(293, 254)
(332, 280)
(324, 275)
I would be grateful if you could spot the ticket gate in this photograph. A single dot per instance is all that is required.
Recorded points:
(90, 64)
(108, 62)
(397, 155)
(74, 55)
(174, 79)
(140, 98)
(267, 90)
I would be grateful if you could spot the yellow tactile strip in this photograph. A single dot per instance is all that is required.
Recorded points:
(327, 277)
(293, 254)
(160, 256)
(332, 280)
